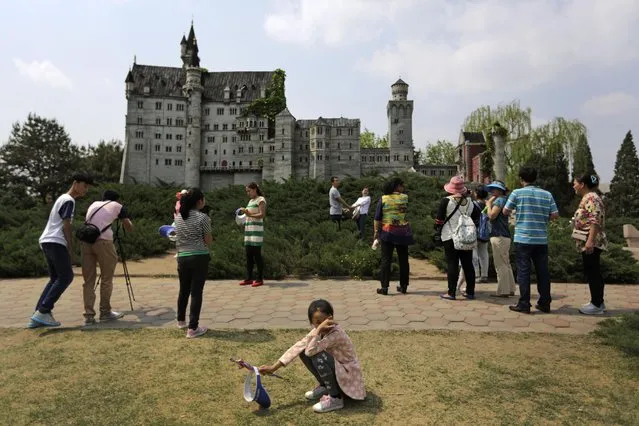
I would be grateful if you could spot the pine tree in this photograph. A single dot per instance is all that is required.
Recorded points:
(39, 157)
(553, 176)
(582, 160)
(623, 199)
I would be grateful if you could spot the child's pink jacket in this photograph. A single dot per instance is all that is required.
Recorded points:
(341, 348)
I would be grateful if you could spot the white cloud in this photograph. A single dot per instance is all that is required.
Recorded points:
(43, 72)
(484, 46)
(331, 21)
(611, 104)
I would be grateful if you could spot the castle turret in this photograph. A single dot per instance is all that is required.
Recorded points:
(129, 84)
(400, 126)
(193, 91)
(189, 50)
(284, 129)
(320, 149)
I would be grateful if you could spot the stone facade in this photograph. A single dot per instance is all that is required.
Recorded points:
(188, 126)
(470, 147)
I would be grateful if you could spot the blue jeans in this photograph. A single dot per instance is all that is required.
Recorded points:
(60, 275)
(537, 254)
(361, 225)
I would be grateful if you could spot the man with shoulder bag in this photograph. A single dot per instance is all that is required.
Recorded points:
(96, 239)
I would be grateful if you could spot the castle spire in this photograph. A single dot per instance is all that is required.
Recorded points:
(191, 35)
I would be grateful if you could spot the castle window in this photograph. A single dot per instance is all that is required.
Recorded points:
(169, 121)
(327, 143)
(220, 111)
(215, 164)
(319, 144)
(168, 149)
(441, 173)
(225, 139)
(139, 147)
(157, 148)
(401, 142)
(158, 105)
(405, 157)
(401, 131)
(169, 136)
(178, 148)
(283, 146)
(207, 111)
(338, 132)
(363, 158)
(233, 152)
(312, 131)
(233, 138)
(158, 136)
(301, 160)
(158, 121)
(233, 163)
(388, 158)
(179, 122)
(283, 131)
(233, 126)
(350, 157)
(350, 146)
(140, 104)
(216, 127)
(307, 133)
(319, 130)
(210, 139)
(241, 124)
(139, 120)
(372, 158)
(179, 162)
(251, 149)
(379, 158)
(282, 158)
(225, 126)
(261, 137)
(337, 145)
(261, 124)
(350, 132)
(190, 120)
(301, 147)
(169, 107)
(224, 153)
(167, 161)
(250, 163)
(215, 152)
(240, 163)
(233, 111)
(179, 107)
(261, 150)
(179, 137)
(339, 158)
(306, 147)
(206, 152)
(207, 126)
(271, 148)
(139, 134)
(157, 162)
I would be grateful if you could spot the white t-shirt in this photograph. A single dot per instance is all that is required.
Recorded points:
(364, 204)
(333, 195)
(63, 208)
(449, 227)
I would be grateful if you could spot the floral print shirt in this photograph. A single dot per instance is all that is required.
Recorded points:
(591, 211)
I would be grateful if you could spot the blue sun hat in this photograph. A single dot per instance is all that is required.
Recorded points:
(240, 218)
(257, 394)
(168, 231)
(497, 185)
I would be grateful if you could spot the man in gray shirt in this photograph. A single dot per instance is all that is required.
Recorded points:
(336, 202)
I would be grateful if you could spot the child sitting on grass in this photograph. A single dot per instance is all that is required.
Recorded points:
(329, 354)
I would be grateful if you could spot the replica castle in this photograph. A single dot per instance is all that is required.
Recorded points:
(188, 126)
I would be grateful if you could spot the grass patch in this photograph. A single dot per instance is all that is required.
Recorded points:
(149, 376)
(622, 332)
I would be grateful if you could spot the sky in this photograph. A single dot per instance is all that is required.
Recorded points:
(577, 59)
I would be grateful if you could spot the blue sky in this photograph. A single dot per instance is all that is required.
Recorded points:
(569, 58)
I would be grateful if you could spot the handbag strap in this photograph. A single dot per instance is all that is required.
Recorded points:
(452, 214)
(88, 221)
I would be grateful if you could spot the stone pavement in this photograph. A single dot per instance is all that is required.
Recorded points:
(283, 304)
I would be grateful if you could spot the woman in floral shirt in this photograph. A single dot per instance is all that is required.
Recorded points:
(591, 239)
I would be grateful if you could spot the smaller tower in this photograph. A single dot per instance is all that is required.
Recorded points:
(284, 150)
(400, 126)
(189, 50)
(192, 90)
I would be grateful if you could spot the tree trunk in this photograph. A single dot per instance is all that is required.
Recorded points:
(500, 158)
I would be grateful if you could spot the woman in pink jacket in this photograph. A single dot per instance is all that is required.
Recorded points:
(329, 354)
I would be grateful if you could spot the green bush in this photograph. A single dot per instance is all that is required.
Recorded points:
(300, 240)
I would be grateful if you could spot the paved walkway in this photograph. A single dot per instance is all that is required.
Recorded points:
(283, 304)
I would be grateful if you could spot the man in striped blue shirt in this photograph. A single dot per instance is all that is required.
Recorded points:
(534, 207)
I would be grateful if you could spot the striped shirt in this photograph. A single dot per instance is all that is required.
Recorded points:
(533, 207)
(254, 227)
(190, 233)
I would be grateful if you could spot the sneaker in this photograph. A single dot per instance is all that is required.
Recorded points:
(544, 309)
(603, 306)
(318, 392)
(468, 296)
(45, 320)
(191, 334)
(447, 296)
(257, 283)
(328, 403)
(246, 282)
(34, 324)
(182, 324)
(590, 309)
(111, 316)
(402, 289)
(519, 308)
(482, 280)
(89, 321)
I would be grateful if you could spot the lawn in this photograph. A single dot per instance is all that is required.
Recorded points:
(146, 376)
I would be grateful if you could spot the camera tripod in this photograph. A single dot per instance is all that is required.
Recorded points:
(120, 251)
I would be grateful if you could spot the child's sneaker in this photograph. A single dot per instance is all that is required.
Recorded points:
(318, 392)
(182, 324)
(88, 321)
(191, 334)
(46, 320)
(257, 283)
(328, 403)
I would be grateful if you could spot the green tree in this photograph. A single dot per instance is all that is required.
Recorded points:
(582, 160)
(553, 176)
(272, 103)
(623, 198)
(104, 161)
(368, 139)
(440, 152)
(39, 157)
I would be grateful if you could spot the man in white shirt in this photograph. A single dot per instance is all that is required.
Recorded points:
(336, 202)
(360, 215)
(56, 244)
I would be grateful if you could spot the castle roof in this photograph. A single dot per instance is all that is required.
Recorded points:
(474, 137)
(129, 77)
(168, 81)
(183, 40)
(285, 113)
(398, 82)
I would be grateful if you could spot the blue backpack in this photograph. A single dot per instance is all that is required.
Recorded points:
(485, 227)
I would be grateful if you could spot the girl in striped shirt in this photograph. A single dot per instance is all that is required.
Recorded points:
(255, 212)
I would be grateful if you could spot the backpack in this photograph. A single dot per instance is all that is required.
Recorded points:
(485, 227)
(465, 234)
(88, 232)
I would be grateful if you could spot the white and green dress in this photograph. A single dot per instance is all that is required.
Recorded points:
(254, 227)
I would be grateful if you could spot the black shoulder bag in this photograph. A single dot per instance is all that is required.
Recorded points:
(437, 236)
(89, 233)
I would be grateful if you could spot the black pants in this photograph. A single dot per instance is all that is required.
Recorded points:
(387, 258)
(192, 271)
(322, 365)
(60, 275)
(453, 257)
(537, 255)
(361, 225)
(592, 269)
(337, 218)
(254, 257)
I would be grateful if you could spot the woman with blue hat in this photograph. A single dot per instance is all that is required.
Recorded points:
(500, 239)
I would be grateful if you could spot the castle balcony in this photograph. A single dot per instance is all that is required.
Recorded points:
(230, 169)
